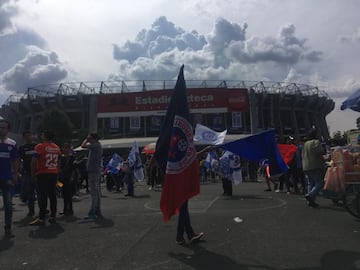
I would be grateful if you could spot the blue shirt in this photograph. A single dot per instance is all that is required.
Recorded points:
(8, 152)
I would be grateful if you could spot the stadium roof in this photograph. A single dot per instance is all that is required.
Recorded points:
(107, 87)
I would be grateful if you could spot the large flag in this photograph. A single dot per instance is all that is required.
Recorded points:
(135, 162)
(205, 135)
(287, 152)
(176, 154)
(258, 147)
(115, 163)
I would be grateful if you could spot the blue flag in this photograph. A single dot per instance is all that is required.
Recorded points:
(257, 147)
(114, 164)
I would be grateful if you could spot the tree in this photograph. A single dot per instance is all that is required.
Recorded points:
(58, 122)
(338, 139)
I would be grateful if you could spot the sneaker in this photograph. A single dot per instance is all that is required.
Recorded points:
(268, 189)
(180, 240)
(196, 237)
(37, 221)
(52, 220)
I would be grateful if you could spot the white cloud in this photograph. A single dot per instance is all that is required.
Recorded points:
(38, 67)
(7, 11)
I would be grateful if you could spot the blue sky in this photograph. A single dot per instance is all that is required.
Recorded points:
(303, 41)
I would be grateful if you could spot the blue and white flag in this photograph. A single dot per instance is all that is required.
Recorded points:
(224, 164)
(229, 164)
(235, 164)
(115, 163)
(205, 135)
(211, 161)
(135, 162)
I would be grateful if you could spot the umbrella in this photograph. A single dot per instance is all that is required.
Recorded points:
(352, 102)
(149, 149)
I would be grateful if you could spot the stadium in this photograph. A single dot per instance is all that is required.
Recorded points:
(135, 109)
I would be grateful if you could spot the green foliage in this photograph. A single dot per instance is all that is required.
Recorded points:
(58, 122)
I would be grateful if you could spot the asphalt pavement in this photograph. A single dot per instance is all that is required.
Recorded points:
(251, 230)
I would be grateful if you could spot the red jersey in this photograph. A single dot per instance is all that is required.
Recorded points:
(47, 158)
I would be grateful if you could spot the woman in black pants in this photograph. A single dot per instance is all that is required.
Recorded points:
(67, 178)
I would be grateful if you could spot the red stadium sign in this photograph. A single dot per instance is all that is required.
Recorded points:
(233, 100)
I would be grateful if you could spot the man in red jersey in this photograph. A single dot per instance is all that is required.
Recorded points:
(45, 169)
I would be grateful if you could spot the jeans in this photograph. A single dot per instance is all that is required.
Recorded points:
(47, 188)
(95, 193)
(184, 223)
(315, 182)
(6, 187)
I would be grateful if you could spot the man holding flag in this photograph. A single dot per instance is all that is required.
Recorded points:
(176, 155)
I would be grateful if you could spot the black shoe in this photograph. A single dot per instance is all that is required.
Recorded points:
(313, 204)
(52, 220)
(268, 189)
(69, 213)
(30, 214)
(196, 237)
(9, 234)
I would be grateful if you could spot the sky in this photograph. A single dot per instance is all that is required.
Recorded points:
(298, 41)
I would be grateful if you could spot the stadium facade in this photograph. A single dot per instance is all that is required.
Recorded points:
(136, 108)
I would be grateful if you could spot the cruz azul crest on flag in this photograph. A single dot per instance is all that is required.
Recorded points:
(182, 151)
(209, 136)
(205, 135)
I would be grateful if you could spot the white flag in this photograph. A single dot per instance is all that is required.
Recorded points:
(205, 135)
(135, 162)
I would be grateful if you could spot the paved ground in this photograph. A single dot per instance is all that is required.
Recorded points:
(252, 230)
